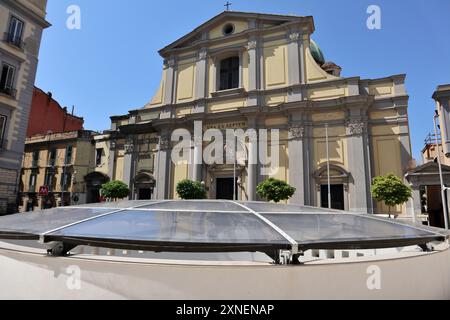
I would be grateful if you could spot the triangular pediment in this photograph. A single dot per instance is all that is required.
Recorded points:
(241, 21)
(430, 167)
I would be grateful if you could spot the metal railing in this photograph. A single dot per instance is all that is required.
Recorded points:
(3, 144)
(51, 163)
(10, 39)
(8, 91)
(35, 164)
(431, 139)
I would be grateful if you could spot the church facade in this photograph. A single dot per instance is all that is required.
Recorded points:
(262, 71)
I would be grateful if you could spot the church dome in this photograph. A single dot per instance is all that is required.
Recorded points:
(316, 53)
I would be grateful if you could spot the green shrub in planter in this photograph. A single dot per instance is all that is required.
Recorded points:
(115, 190)
(275, 190)
(191, 190)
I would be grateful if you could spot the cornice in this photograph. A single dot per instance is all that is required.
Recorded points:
(19, 7)
(244, 35)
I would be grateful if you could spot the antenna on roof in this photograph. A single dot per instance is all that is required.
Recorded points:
(228, 5)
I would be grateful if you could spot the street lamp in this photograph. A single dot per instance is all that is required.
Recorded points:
(443, 188)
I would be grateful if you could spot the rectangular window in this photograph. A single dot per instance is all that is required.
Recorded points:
(98, 157)
(65, 181)
(32, 183)
(69, 152)
(229, 73)
(15, 31)
(49, 175)
(7, 79)
(35, 161)
(2, 130)
(52, 157)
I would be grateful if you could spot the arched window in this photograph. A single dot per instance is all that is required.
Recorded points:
(229, 73)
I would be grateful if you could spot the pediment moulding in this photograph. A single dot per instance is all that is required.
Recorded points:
(258, 24)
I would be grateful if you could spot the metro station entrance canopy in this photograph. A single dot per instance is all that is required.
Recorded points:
(213, 226)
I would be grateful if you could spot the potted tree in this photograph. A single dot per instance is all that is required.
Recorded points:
(390, 190)
(191, 190)
(115, 190)
(275, 190)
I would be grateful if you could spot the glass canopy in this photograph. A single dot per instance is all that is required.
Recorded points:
(213, 226)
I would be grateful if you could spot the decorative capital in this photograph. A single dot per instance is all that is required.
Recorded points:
(169, 62)
(296, 132)
(164, 143)
(294, 36)
(355, 127)
(129, 148)
(252, 45)
(202, 54)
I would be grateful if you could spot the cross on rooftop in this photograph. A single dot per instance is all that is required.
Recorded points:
(228, 4)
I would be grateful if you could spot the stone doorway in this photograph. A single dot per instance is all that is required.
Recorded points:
(337, 196)
(224, 188)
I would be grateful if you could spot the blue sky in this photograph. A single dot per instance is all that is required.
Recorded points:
(112, 65)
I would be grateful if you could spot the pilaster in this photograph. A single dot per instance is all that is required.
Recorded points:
(163, 176)
(357, 161)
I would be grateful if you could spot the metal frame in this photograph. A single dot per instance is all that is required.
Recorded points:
(281, 251)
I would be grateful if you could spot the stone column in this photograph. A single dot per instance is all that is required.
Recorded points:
(112, 159)
(357, 161)
(200, 81)
(128, 164)
(252, 169)
(417, 203)
(296, 163)
(169, 88)
(309, 167)
(405, 152)
(163, 176)
(295, 93)
(253, 72)
(198, 159)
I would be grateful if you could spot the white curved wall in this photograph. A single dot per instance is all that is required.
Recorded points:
(34, 276)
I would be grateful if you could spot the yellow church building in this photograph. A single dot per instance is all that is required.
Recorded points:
(263, 71)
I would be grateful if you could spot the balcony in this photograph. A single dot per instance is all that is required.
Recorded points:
(3, 144)
(8, 92)
(51, 163)
(34, 164)
(68, 163)
(14, 41)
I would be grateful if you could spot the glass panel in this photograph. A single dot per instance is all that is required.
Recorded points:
(10, 77)
(264, 207)
(311, 228)
(2, 126)
(119, 204)
(185, 227)
(198, 205)
(38, 222)
(4, 77)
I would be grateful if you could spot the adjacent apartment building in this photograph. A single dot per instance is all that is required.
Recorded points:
(59, 170)
(48, 116)
(21, 26)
